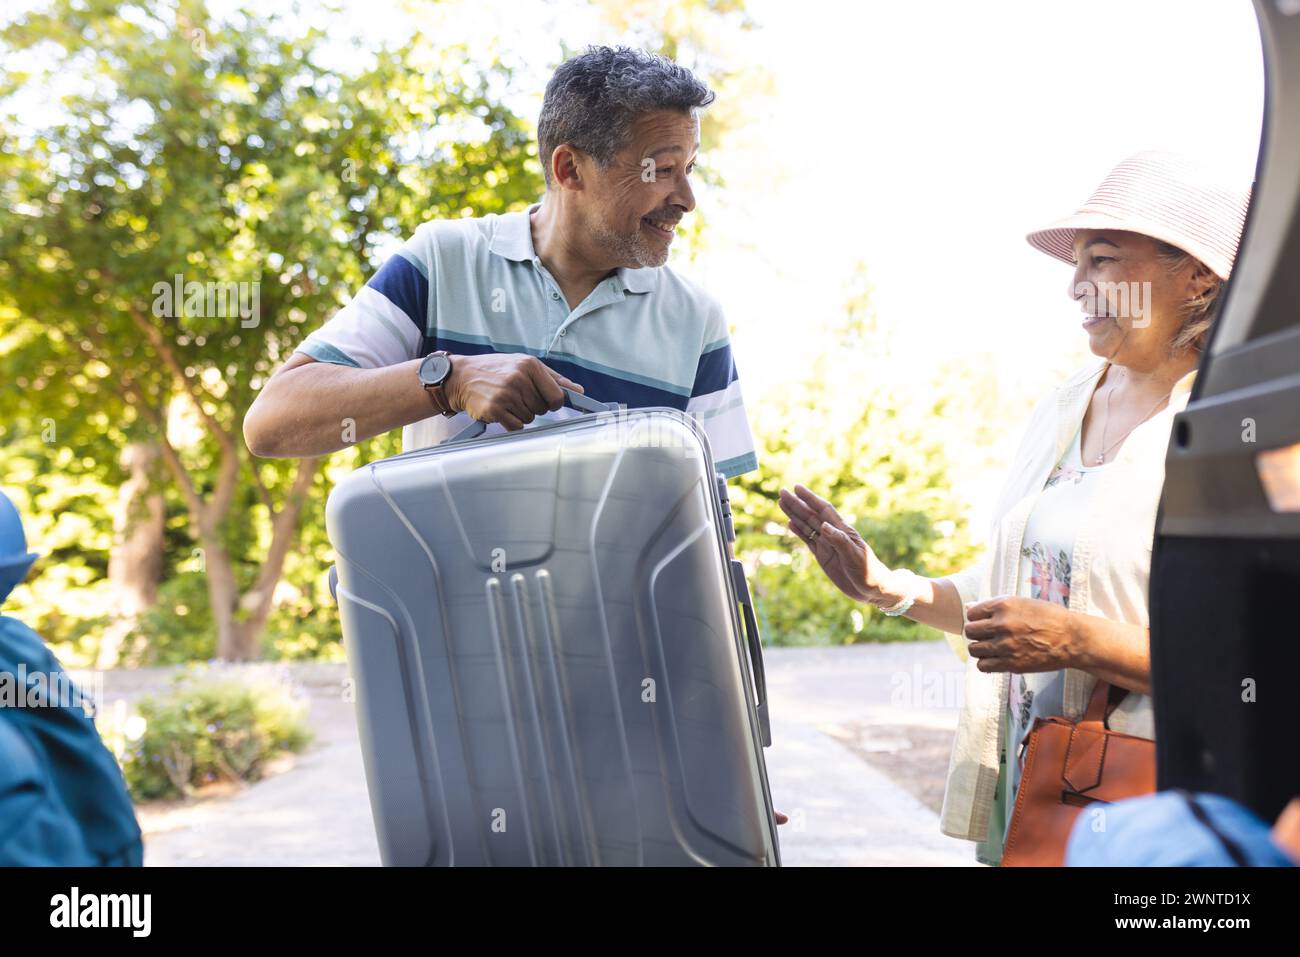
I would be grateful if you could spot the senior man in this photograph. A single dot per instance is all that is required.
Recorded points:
(490, 317)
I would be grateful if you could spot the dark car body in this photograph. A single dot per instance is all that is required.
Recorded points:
(1225, 580)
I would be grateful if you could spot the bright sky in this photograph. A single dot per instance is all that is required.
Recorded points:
(925, 140)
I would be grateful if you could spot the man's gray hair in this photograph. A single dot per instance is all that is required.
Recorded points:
(593, 99)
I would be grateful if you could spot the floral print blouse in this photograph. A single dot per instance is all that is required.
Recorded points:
(1045, 555)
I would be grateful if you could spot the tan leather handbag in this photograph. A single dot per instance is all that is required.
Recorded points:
(1069, 766)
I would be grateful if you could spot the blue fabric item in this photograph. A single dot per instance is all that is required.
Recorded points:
(15, 560)
(1173, 829)
(401, 283)
(62, 797)
(35, 828)
(715, 372)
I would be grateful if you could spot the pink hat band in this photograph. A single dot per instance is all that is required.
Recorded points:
(1167, 196)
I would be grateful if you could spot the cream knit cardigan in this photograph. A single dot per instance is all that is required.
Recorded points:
(1110, 568)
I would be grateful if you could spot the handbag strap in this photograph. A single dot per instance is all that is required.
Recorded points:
(1106, 697)
(1086, 756)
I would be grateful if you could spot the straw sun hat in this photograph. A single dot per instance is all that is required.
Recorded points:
(1172, 197)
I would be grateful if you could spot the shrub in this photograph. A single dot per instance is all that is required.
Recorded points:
(208, 731)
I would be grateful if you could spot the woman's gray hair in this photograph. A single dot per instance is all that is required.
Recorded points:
(1199, 312)
(593, 99)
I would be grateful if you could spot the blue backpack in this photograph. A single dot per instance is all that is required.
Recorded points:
(1174, 829)
(62, 797)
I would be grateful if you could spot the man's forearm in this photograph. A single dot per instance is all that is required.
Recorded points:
(321, 407)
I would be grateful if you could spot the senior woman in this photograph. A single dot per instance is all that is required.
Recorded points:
(1059, 599)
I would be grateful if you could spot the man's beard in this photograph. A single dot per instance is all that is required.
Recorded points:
(635, 248)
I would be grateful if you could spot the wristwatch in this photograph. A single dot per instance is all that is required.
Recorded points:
(435, 370)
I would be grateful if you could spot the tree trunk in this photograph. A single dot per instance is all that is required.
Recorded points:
(257, 603)
(241, 619)
(223, 598)
(136, 557)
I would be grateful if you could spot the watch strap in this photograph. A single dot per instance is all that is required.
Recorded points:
(437, 392)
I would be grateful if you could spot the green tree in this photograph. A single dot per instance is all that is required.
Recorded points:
(222, 151)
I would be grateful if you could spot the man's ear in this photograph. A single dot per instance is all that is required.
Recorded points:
(567, 164)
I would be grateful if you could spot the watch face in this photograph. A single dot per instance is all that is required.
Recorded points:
(434, 369)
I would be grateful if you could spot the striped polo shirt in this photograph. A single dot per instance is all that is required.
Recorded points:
(643, 337)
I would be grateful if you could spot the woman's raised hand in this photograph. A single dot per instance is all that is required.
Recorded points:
(844, 556)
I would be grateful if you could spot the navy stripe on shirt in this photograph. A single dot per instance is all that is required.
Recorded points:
(609, 388)
(599, 385)
(405, 287)
(716, 371)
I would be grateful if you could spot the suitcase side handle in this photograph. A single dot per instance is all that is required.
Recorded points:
(755, 650)
(576, 400)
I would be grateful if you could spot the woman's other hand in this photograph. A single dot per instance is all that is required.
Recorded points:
(1022, 635)
(844, 556)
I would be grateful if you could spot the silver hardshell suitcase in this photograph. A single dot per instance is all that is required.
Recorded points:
(555, 662)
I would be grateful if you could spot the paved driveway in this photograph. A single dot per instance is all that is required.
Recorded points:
(846, 722)
(860, 737)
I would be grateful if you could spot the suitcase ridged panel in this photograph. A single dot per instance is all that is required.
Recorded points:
(526, 700)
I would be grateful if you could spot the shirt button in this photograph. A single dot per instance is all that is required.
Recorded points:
(555, 295)
(564, 332)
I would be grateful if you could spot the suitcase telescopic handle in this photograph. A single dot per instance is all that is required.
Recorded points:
(755, 650)
(576, 400)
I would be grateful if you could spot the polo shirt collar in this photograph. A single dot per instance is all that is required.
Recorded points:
(513, 239)
(638, 280)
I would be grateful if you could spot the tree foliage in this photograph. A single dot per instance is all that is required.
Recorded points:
(218, 151)
(143, 141)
